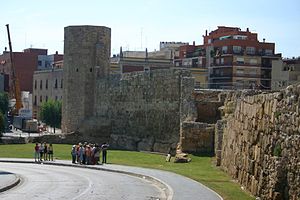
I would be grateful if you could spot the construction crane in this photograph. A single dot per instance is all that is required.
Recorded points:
(15, 91)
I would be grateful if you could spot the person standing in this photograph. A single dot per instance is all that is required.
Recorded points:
(96, 154)
(36, 152)
(41, 151)
(73, 153)
(104, 148)
(88, 154)
(45, 151)
(50, 152)
(81, 152)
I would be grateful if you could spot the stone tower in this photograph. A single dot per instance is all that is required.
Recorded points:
(86, 57)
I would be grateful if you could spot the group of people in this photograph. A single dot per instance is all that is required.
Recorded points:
(43, 151)
(89, 154)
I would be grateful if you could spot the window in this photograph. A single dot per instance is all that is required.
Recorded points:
(46, 98)
(239, 71)
(222, 61)
(209, 41)
(250, 50)
(41, 84)
(34, 103)
(224, 49)
(47, 64)
(200, 61)
(35, 84)
(56, 98)
(268, 52)
(55, 85)
(239, 37)
(253, 61)
(47, 84)
(237, 49)
(240, 60)
(41, 99)
(40, 63)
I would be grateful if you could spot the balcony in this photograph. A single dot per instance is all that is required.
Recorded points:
(245, 64)
(221, 76)
(246, 75)
(227, 64)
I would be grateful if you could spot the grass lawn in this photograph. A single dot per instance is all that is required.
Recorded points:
(200, 169)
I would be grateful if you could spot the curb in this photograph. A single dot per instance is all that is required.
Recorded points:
(11, 185)
(167, 190)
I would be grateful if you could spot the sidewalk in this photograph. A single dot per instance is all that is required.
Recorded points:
(8, 180)
(177, 187)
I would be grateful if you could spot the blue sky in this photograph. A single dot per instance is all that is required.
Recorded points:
(137, 24)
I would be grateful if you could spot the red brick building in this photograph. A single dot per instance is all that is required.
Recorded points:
(234, 58)
(25, 64)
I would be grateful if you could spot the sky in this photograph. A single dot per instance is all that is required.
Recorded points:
(140, 24)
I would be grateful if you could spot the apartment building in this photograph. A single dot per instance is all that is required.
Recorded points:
(47, 84)
(231, 58)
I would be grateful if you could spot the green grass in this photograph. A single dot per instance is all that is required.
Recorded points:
(200, 169)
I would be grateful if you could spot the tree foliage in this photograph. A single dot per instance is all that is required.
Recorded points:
(3, 111)
(50, 113)
(2, 123)
(3, 102)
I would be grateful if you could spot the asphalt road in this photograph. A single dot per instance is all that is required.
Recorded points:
(58, 182)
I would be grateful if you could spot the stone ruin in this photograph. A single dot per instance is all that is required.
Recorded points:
(259, 142)
(136, 111)
(254, 134)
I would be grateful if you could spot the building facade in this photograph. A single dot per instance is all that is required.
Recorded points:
(45, 62)
(25, 63)
(47, 84)
(134, 61)
(285, 72)
(193, 57)
(232, 59)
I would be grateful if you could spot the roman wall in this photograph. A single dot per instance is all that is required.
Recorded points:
(260, 142)
(141, 111)
(86, 57)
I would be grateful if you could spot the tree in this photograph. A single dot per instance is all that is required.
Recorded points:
(2, 123)
(3, 102)
(51, 113)
(3, 111)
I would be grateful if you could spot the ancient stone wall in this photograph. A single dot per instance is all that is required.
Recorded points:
(197, 137)
(135, 111)
(261, 142)
(140, 111)
(86, 57)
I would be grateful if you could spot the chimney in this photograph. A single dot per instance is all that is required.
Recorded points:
(264, 40)
(247, 29)
(56, 52)
(193, 43)
(205, 32)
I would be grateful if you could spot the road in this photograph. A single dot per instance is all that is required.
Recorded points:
(59, 182)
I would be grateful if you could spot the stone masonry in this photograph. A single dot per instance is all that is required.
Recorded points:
(136, 111)
(261, 142)
(86, 57)
(257, 141)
